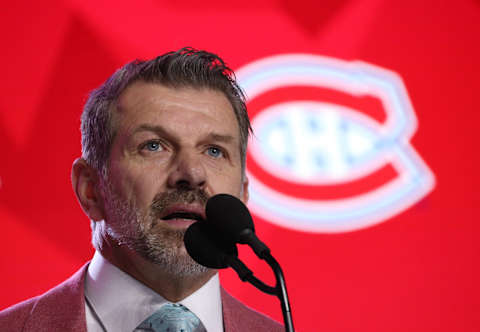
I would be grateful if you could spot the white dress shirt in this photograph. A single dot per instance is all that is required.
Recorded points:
(115, 301)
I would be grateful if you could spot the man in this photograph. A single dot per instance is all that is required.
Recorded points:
(159, 138)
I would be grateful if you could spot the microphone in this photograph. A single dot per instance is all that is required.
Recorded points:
(230, 222)
(212, 243)
(205, 250)
(240, 230)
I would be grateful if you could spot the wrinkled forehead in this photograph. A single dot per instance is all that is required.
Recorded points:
(141, 92)
(149, 103)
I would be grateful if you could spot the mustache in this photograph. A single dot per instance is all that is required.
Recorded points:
(185, 196)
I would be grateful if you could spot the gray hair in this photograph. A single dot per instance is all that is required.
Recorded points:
(186, 67)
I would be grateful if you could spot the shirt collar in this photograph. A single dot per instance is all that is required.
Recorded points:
(122, 302)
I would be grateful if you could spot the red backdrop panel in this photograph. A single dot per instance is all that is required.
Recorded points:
(413, 272)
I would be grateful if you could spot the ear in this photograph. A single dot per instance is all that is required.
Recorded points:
(245, 194)
(85, 183)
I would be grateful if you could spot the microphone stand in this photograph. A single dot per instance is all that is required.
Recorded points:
(280, 289)
(243, 232)
(281, 292)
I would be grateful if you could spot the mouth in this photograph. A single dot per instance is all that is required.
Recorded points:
(184, 216)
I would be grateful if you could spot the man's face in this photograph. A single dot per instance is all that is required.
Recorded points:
(173, 149)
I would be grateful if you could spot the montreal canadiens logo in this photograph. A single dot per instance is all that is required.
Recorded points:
(331, 150)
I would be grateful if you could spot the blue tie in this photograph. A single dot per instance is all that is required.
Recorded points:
(172, 317)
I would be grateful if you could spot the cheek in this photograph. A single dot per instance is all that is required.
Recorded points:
(138, 185)
(227, 183)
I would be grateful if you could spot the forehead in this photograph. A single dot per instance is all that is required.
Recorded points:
(152, 102)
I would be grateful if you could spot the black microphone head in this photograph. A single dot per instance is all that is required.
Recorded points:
(207, 249)
(229, 216)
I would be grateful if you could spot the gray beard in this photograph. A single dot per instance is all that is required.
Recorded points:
(145, 233)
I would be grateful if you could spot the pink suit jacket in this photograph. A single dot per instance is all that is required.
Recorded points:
(63, 309)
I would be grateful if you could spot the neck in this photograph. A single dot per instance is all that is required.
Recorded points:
(172, 287)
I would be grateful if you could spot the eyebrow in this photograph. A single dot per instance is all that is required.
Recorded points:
(161, 131)
(148, 127)
(221, 138)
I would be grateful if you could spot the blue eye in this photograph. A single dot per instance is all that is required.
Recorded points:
(152, 146)
(214, 152)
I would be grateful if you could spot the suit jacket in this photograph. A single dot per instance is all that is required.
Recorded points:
(62, 308)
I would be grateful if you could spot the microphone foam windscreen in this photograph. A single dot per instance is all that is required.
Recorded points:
(207, 248)
(228, 215)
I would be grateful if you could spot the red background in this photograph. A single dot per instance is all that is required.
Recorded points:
(414, 272)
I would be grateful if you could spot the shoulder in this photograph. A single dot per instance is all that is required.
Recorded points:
(60, 306)
(239, 317)
(14, 317)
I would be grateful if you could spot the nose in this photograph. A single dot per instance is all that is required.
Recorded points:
(187, 172)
